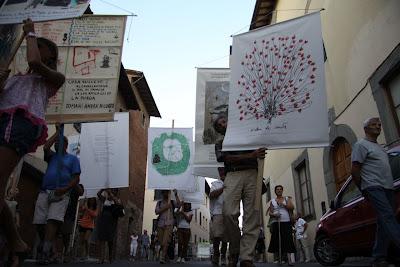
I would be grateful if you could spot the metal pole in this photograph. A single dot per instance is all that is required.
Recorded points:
(280, 241)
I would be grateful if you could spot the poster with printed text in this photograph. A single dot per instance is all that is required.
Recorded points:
(90, 50)
(196, 195)
(104, 153)
(170, 159)
(212, 94)
(14, 11)
(277, 96)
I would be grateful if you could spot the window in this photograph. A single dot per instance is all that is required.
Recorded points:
(195, 239)
(341, 156)
(393, 92)
(350, 193)
(304, 194)
(200, 218)
(302, 184)
(385, 85)
(394, 160)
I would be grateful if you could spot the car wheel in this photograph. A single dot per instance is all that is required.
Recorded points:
(326, 253)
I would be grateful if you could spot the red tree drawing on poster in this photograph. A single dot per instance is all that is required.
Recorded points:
(277, 78)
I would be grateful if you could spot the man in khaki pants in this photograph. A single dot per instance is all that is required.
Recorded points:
(240, 184)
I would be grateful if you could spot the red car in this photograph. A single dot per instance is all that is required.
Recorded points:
(348, 228)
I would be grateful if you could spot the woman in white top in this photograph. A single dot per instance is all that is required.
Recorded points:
(279, 210)
(185, 217)
(134, 245)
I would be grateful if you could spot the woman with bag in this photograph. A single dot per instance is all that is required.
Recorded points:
(107, 222)
(282, 238)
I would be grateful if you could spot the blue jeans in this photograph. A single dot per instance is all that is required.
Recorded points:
(387, 228)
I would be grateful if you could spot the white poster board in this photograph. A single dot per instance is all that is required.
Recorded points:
(104, 153)
(14, 11)
(212, 94)
(278, 95)
(90, 50)
(170, 158)
(203, 250)
(196, 195)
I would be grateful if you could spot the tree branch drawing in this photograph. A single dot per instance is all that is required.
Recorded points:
(278, 78)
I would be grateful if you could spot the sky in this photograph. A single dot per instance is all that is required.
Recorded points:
(169, 38)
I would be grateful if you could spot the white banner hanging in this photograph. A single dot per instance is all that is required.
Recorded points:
(170, 159)
(195, 196)
(278, 96)
(14, 11)
(104, 153)
(212, 93)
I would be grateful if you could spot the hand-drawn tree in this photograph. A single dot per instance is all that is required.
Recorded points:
(277, 78)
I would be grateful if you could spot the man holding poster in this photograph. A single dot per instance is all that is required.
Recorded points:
(240, 184)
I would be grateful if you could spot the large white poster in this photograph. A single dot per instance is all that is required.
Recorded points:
(196, 195)
(212, 93)
(14, 11)
(90, 50)
(170, 158)
(278, 95)
(104, 153)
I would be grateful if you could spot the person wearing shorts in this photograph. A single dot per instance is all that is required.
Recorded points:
(217, 219)
(61, 176)
(164, 210)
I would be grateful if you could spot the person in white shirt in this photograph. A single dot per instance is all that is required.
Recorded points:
(185, 216)
(301, 238)
(134, 245)
(217, 221)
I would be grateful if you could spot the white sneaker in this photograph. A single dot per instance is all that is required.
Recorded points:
(178, 260)
(183, 260)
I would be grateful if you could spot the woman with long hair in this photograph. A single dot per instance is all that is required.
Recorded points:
(86, 224)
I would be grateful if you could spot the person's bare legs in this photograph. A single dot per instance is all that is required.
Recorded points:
(50, 236)
(9, 159)
(87, 243)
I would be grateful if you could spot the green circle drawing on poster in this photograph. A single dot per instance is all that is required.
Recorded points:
(170, 154)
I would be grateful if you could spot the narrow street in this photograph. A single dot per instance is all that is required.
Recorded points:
(122, 263)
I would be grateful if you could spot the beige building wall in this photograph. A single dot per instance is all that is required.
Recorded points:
(358, 36)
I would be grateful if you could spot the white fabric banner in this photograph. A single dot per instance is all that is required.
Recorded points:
(278, 95)
(212, 93)
(104, 153)
(14, 11)
(195, 196)
(170, 159)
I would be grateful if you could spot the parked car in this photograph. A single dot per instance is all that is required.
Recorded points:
(347, 229)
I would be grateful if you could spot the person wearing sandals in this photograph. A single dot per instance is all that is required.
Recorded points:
(107, 222)
(165, 221)
(23, 101)
(282, 237)
(61, 177)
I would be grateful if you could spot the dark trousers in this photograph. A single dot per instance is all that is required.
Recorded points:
(183, 241)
